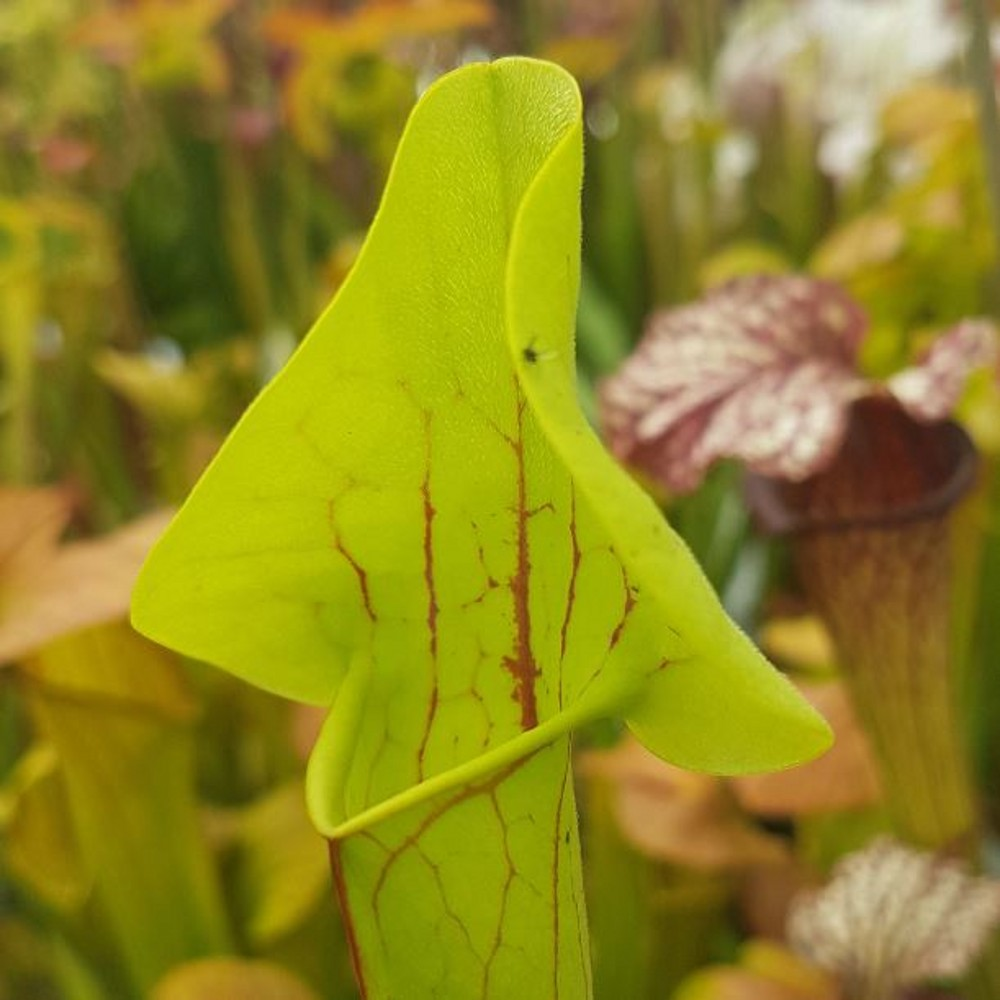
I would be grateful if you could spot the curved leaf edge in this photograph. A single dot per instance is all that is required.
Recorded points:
(717, 643)
(330, 759)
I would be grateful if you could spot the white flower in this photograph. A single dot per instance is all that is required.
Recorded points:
(892, 917)
(837, 61)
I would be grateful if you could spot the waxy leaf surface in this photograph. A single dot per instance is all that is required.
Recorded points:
(414, 526)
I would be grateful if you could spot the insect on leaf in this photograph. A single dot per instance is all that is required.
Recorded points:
(414, 526)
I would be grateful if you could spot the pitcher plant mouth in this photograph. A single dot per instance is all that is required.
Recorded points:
(891, 470)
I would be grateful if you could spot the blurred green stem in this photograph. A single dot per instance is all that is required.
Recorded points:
(983, 80)
(297, 270)
(701, 23)
(19, 303)
(618, 902)
(242, 238)
(803, 190)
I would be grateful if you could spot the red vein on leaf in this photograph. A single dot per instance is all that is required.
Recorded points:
(504, 897)
(488, 785)
(630, 603)
(430, 513)
(337, 868)
(521, 665)
(556, 909)
(491, 581)
(359, 571)
(571, 589)
(446, 904)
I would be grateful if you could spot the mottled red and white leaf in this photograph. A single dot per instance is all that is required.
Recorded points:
(765, 369)
(930, 390)
(762, 369)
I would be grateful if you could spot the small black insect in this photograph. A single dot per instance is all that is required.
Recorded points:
(532, 355)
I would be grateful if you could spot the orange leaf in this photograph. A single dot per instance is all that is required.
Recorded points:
(679, 816)
(47, 591)
(371, 26)
(844, 778)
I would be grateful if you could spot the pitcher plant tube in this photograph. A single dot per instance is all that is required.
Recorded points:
(865, 477)
(414, 526)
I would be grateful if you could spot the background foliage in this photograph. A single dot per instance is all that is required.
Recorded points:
(183, 185)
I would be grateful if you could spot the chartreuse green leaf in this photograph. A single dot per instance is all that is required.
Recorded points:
(414, 525)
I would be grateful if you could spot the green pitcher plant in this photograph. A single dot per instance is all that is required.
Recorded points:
(415, 527)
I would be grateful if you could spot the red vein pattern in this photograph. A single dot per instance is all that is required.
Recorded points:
(521, 664)
(358, 570)
(337, 868)
(429, 514)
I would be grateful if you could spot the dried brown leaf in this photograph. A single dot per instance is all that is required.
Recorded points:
(31, 521)
(47, 591)
(845, 777)
(679, 816)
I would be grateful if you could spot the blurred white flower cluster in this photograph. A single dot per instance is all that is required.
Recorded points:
(834, 63)
(894, 917)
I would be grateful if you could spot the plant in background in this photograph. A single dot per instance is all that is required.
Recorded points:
(892, 918)
(862, 474)
(183, 185)
(414, 527)
(833, 64)
(81, 810)
(889, 922)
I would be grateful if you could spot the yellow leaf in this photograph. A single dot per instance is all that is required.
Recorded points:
(801, 642)
(766, 972)
(231, 979)
(116, 708)
(587, 57)
(40, 849)
(740, 259)
(281, 867)
(922, 112)
(371, 26)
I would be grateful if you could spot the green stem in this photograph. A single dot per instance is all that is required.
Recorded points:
(980, 57)
(243, 243)
(18, 315)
